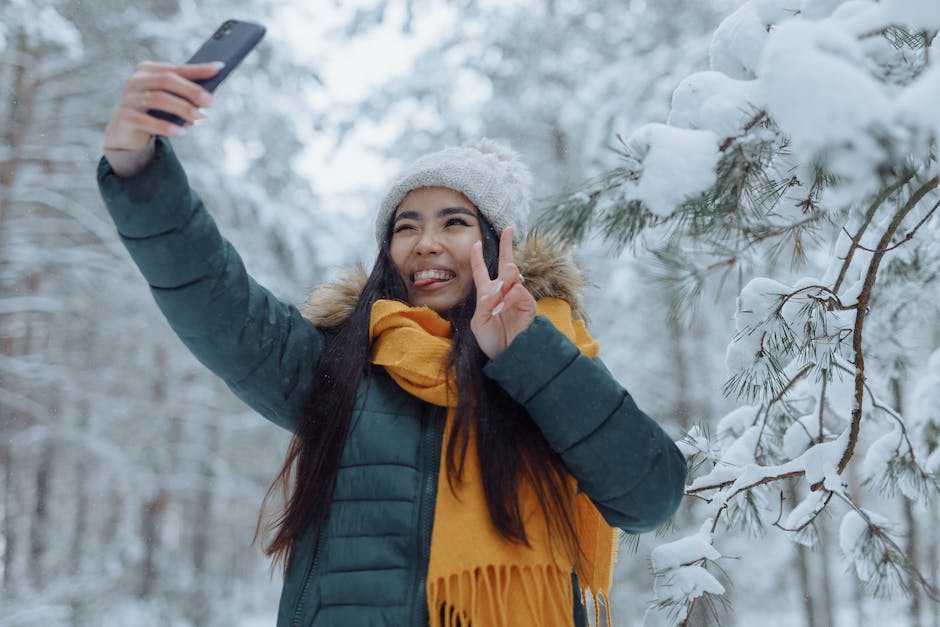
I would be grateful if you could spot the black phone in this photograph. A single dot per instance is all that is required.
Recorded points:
(230, 43)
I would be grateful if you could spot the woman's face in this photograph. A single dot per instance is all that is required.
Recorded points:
(432, 232)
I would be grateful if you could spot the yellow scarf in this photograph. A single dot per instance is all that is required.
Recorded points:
(475, 575)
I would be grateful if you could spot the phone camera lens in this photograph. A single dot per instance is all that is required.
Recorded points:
(224, 30)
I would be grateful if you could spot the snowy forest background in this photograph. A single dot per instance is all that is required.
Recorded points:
(752, 164)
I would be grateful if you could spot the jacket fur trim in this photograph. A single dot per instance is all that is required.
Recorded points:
(546, 263)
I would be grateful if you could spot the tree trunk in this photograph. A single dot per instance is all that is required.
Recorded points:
(152, 513)
(10, 509)
(39, 529)
(827, 613)
(80, 531)
(154, 509)
(682, 408)
(910, 546)
(803, 569)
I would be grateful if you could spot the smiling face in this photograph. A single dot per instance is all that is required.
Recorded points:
(433, 231)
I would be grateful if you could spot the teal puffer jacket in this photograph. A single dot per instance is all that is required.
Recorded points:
(369, 566)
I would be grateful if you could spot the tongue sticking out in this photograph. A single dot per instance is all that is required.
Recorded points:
(423, 282)
(421, 279)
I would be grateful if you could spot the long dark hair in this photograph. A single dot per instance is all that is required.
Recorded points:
(512, 450)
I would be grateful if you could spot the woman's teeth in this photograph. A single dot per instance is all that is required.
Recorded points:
(433, 275)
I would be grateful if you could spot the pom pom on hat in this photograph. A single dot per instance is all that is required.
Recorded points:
(490, 174)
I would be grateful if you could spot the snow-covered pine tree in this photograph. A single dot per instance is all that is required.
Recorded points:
(813, 140)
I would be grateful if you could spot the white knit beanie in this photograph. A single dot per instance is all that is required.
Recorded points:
(491, 175)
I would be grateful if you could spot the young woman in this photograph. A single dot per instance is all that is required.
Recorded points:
(460, 457)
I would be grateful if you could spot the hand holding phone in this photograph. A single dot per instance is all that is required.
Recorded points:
(230, 43)
(168, 86)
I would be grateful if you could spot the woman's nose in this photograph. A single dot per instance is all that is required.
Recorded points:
(429, 243)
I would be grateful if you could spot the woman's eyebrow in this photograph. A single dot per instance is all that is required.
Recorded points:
(407, 215)
(443, 213)
(449, 211)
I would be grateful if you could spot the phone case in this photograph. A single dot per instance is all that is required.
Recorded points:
(230, 43)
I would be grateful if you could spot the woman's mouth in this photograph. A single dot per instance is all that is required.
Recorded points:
(424, 278)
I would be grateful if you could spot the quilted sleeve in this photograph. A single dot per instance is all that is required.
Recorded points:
(262, 347)
(622, 459)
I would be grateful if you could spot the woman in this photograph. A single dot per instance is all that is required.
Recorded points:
(459, 457)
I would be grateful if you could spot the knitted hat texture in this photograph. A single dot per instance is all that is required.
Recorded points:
(490, 174)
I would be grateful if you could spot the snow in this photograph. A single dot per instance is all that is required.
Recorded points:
(812, 81)
(677, 566)
(925, 409)
(932, 465)
(818, 9)
(755, 307)
(880, 453)
(915, 107)
(684, 551)
(677, 164)
(687, 582)
(694, 443)
(806, 510)
(713, 101)
(734, 423)
(863, 547)
(852, 533)
(820, 462)
(773, 11)
(915, 15)
(741, 452)
(800, 434)
(737, 43)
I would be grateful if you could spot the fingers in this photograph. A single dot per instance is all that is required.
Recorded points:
(163, 86)
(505, 248)
(152, 125)
(518, 297)
(166, 80)
(481, 276)
(164, 101)
(191, 71)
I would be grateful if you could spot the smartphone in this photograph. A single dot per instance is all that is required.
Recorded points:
(230, 43)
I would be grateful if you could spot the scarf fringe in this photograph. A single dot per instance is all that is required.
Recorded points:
(482, 597)
(597, 599)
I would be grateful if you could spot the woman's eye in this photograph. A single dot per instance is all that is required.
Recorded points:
(403, 227)
(453, 221)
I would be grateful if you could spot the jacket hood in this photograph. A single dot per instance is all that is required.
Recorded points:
(546, 263)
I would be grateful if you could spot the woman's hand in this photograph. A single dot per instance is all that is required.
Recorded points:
(505, 308)
(163, 86)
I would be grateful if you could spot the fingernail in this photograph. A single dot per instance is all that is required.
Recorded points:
(205, 98)
(497, 289)
(218, 65)
(498, 308)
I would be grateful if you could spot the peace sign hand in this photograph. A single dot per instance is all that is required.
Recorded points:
(505, 308)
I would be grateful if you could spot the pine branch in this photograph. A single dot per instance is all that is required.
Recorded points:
(776, 399)
(746, 486)
(929, 589)
(816, 512)
(863, 299)
(876, 403)
(757, 119)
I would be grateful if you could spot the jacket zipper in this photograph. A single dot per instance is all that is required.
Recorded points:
(431, 454)
(307, 579)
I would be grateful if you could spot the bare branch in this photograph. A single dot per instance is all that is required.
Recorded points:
(879, 200)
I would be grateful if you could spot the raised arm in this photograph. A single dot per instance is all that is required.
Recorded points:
(262, 347)
(622, 459)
